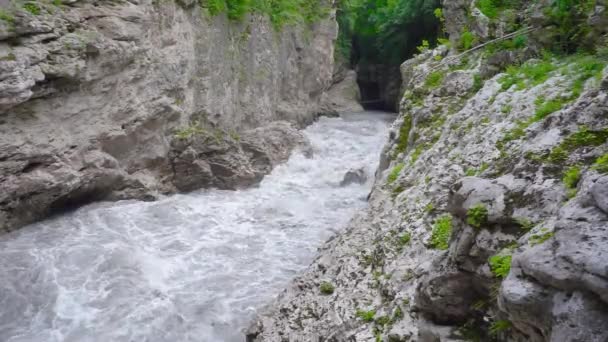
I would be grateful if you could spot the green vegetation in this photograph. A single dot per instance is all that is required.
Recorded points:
(385, 31)
(326, 288)
(405, 239)
(477, 215)
(524, 223)
(571, 25)
(499, 326)
(404, 133)
(528, 74)
(392, 176)
(584, 137)
(189, 131)
(467, 40)
(366, 316)
(500, 265)
(429, 207)
(541, 237)
(434, 79)
(493, 8)
(571, 178)
(6, 16)
(382, 320)
(477, 83)
(601, 164)
(545, 108)
(280, 12)
(32, 7)
(442, 230)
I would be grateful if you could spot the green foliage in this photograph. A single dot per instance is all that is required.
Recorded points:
(387, 31)
(528, 74)
(500, 265)
(404, 239)
(477, 215)
(32, 7)
(601, 164)
(404, 133)
(571, 26)
(442, 230)
(493, 8)
(326, 288)
(543, 109)
(382, 320)
(438, 12)
(584, 137)
(467, 40)
(280, 12)
(366, 316)
(424, 46)
(477, 83)
(397, 314)
(543, 236)
(434, 79)
(392, 176)
(429, 207)
(192, 129)
(6, 16)
(499, 326)
(571, 178)
(524, 223)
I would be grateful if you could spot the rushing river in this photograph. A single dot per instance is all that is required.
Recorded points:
(191, 267)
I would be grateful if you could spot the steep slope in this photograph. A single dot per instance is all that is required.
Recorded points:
(488, 220)
(131, 99)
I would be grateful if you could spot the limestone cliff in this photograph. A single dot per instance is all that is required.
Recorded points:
(107, 99)
(488, 220)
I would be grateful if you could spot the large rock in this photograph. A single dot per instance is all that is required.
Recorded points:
(343, 96)
(119, 79)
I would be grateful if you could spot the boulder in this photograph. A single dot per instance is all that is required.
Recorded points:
(351, 176)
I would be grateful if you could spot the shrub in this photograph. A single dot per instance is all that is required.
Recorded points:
(477, 215)
(601, 164)
(397, 314)
(383, 320)
(500, 265)
(404, 239)
(326, 288)
(32, 7)
(477, 83)
(434, 79)
(404, 133)
(392, 176)
(467, 40)
(442, 230)
(6, 16)
(424, 46)
(571, 178)
(366, 316)
(548, 107)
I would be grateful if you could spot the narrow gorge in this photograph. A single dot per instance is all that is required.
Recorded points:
(304, 170)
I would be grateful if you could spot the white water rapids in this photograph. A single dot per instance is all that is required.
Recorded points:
(191, 267)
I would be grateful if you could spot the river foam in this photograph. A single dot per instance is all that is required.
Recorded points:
(192, 267)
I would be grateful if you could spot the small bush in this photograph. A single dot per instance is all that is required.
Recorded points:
(404, 132)
(326, 288)
(424, 46)
(601, 164)
(477, 83)
(32, 7)
(548, 107)
(571, 178)
(392, 176)
(442, 230)
(6, 16)
(434, 79)
(467, 40)
(382, 320)
(405, 239)
(477, 216)
(500, 265)
(366, 316)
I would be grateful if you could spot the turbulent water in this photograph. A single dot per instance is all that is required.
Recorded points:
(189, 267)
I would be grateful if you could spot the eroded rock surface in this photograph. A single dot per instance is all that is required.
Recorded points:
(94, 93)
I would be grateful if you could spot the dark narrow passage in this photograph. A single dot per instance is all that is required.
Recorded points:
(376, 36)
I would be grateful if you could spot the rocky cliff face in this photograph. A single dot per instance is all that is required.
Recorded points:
(489, 217)
(107, 99)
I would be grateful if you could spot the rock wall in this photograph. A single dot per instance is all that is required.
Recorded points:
(488, 220)
(94, 93)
